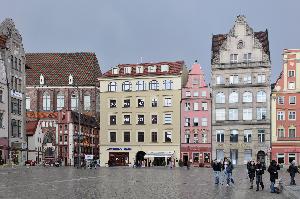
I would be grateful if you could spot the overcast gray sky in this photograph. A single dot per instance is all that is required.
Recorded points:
(123, 31)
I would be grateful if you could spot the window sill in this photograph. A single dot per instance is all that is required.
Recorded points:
(140, 124)
(168, 124)
(126, 124)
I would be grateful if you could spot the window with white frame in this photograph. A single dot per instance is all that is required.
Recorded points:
(154, 102)
(204, 106)
(280, 158)
(139, 69)
(261, 78)
(280, 115)
(291, 85)
(60, 101)
(196, 94)
(196, 121)
(187, 106)
(292, 115)
(126, 103)
(233, 97)
(220, 114)
(247, 96)
(204, 137)
(204, 121)
(168, 136)
(164, 68)
(188, 93)
(234, 79)
(126, 86)
(233, 58)
(140, 119)
(167, 101)
(151, 69)
(261, 135)
(220, 98)
(112, 86)
(261, 113)
(233, 114)
(187, 121)
(280, 100)
(292, 132)
(153, 85)
(203, 93)
(247, 57)
(140, 102)
(167, 118)
(27, 104)
(292, 99)
(187, 137)
(247, 79)
(87, 102)
(291, 73)
(280, 132)
(219, 79)
(234, 135)
(196, 106)
(261, 96)
(115, 71)
(291, 156)
(196, 138)
(127, 70)
(168, 84)
(46, 101)
(140, 85)
(247, 135)
(247, 114)
(219, 135)
(247, 155)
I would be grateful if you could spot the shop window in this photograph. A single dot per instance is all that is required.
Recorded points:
(292, 156)
(280, 158)
(195, 157)
(206, 157)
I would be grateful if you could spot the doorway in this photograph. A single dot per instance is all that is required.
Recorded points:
(234, 156)
(185, 158)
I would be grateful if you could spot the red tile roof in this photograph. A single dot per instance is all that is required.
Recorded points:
(175, 68)
(56, 68)
(31, 127)
(41, 115)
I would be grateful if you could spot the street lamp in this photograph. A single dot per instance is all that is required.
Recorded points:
(79, 127)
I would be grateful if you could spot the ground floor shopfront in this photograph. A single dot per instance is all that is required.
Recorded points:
(285, 153)
(199, 155)
(139, 155)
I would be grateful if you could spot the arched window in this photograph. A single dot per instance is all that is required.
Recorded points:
(233, 97)
(126, 86)
(87, 102)
(60, 101)
(74, 101)
(261, 96)
(168, 84)
(140, 85)
(220, 98)
(247, 96)
(112, 86)
(46, 101)
(153, 85)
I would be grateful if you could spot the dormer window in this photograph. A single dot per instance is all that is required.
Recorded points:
(139, 69)
(115, 71)
(164, 68)
(42, 80)
(127, 70)
(70, 79)
(151, 69)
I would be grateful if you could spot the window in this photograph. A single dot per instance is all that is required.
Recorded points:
(261, 96)
(247, 135)
(291, 85)
(188, 93)
(247, 155)
(292, 99)
(113, 120)
(154, 119)
(292, 132)
(27, 103)
(1, 95)
(220, 135)
(220, 98)
(74, 101)
(112, 86)
(187, 122)
(127, 70)
(164, 68)
(234, 79)
(280, 133)
(247, 57)
(168, 84)
(292, 156)
(151, 69)
(168, 102)
(204, 121)
(247, 97)
(16, 105)
(196, 94)
(141, 119)
(292, 115)
(196, 138)
(233, 58)
(204, 106)
(126, 136)
(261, 113)
(233, 114)
(204, 137)
(140, 136)
(195, 157)
(66, 138)
(140, 85)
(141, 103)
(139, 69)
(16, 128)
(167, 118)
(60, 100)
(113, 136)
(261, 135)
(187, 106)
(153, 85)
(247, 114)
(220, 114)
(280, 115)
(154, 136)
(195, 81)
(154, 102)
(46, 101)
(1, 120)
(87, 102)
(219, 80)
(126, 86)
(187, 137)
(126, 119)
(280, 158)
(233, 97)
(291, 73)
(196, 106)
(168, 136)
(196, 121)
(112, 103)
(280, 100)
(115, 71)
(261, 78)
(126, 103)
(203, 93)
(234, 136)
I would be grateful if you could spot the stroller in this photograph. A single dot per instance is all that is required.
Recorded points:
(278, 185)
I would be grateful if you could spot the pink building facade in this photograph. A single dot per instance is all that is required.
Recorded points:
(196, 119)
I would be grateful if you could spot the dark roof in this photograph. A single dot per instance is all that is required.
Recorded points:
(31, 127)
(175, 68)
(217, 41)
(56, 68)
(84, 119)
(3, 41)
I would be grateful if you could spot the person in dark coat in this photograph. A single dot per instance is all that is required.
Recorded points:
(251, 172)
(293, 169)
(217, 167)
(259, 168)
(273, 170)
(228, 167)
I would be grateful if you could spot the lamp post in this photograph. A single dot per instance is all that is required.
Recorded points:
(79, 127)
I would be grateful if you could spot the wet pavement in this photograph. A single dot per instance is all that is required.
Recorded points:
(121, 182)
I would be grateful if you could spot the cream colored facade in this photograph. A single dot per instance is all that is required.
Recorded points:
(134, 146)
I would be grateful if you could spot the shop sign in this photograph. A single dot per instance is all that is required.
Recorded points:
(119, 149)
(16, 94)
(88, 157)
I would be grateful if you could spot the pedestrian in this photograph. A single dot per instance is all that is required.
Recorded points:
(259, 172)
(293, 169)
(228, 167)
(273, 170)
(251, 172)
(217, 167)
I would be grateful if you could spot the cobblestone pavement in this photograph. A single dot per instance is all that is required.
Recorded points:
(118, 182)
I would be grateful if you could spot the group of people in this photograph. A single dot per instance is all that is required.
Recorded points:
(223, 170)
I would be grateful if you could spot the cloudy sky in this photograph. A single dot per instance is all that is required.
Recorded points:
(126, 31)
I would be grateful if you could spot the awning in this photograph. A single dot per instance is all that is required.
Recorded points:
(159, 154)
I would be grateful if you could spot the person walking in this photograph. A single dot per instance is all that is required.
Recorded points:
(251, 172)
(217, 167)
(228, 167)
(259, 172)
(273, 170)
(293, 169)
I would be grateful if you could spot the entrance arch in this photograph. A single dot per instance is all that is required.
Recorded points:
(139, 157)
